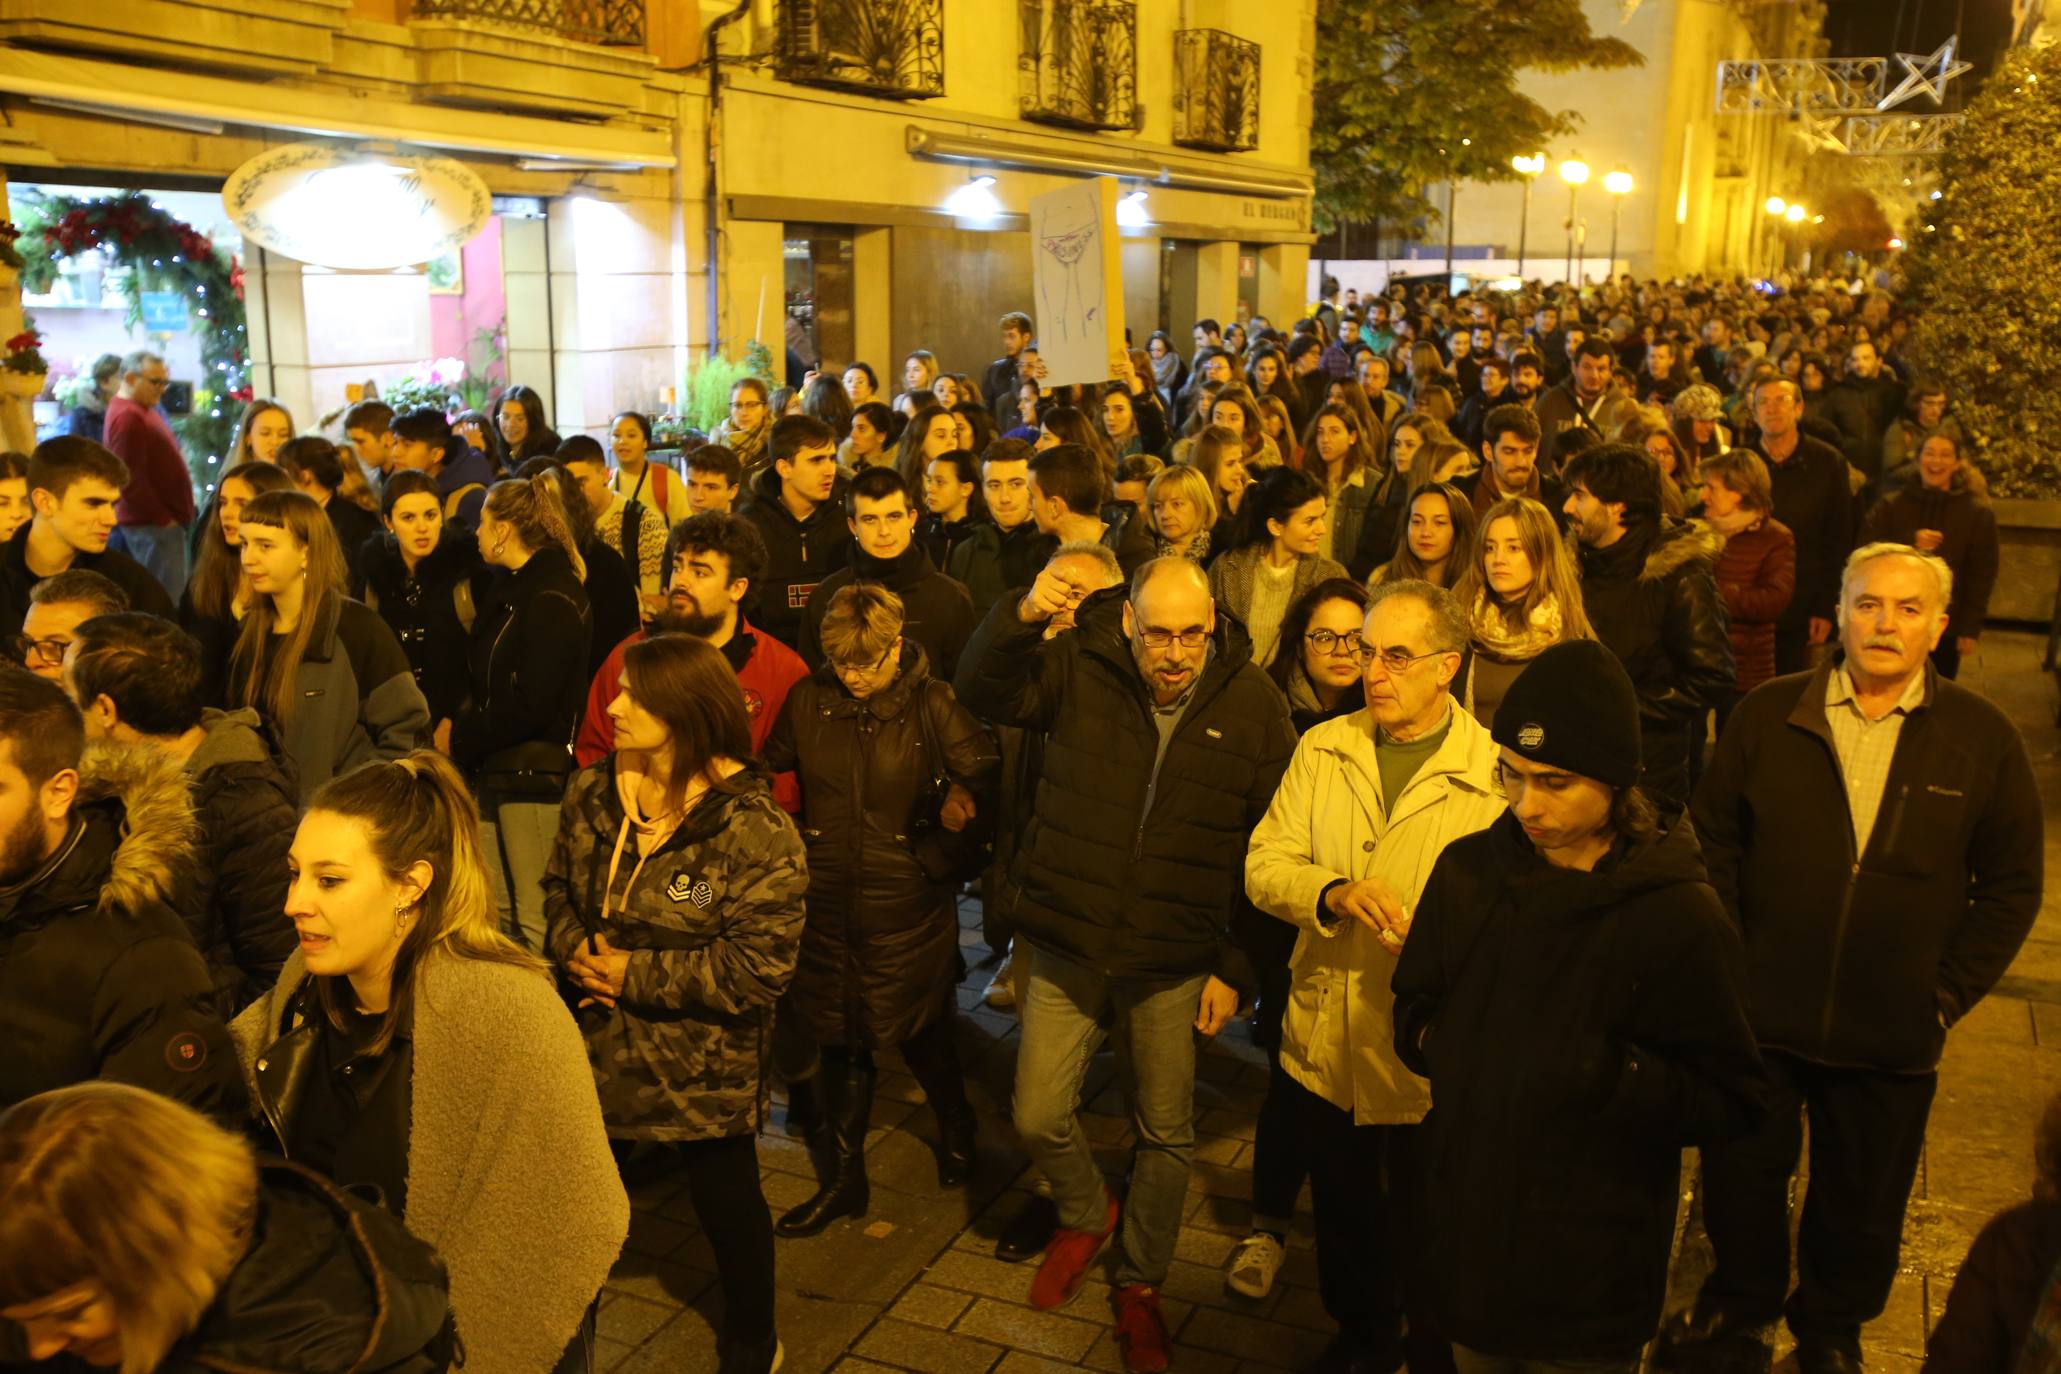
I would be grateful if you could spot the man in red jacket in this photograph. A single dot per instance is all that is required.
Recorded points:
(157, 505)
(714, 559)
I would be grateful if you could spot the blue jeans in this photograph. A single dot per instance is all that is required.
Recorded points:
(516, 839)
(161, 549)
(1068, 1011)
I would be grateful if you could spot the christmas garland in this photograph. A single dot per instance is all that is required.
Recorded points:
(163, 253)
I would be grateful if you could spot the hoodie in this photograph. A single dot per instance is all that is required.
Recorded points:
(247, 803)
(938, 612)
(1579, 1030)
(799, 553)
(99, 977)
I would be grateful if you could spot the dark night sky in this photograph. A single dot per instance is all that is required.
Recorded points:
(1870, 28)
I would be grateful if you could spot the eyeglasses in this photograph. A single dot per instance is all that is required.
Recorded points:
(1394, 662)
(1332, 642)
(1166, 639)
(48, 652)
(857, 669)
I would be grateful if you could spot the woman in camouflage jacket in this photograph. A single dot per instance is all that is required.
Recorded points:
(674, 901)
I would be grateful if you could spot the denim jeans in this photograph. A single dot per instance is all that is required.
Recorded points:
(161, 549)
(516, 839)
(1068, 1012)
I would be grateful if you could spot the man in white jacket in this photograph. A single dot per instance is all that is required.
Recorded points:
(1368, 802)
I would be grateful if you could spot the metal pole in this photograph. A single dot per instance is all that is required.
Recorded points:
(1451, 195)
(1568, 273)
(1523, 228)
(1616, 202)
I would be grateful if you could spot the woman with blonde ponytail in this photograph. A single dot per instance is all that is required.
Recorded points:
(513, 735)
(412, 1051)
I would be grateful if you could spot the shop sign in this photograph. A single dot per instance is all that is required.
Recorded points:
(351, 209)
(165, 312)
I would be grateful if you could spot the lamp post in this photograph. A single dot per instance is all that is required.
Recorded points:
(1574, 172)
(1794, 215)
(1775, 205)
(1619, 184)
(1528, 168)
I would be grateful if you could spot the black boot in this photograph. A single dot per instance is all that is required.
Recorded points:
(841, 1164)
(804, 1116)
(954, 1145)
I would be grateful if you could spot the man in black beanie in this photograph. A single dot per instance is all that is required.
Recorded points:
(1571, 987)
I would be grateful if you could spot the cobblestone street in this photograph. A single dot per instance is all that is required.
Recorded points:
(915, 1285)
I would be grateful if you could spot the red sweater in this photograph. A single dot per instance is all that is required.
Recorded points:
(160, 490)
(1757, 576)
(766, 678)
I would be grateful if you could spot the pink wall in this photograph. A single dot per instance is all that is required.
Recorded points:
(454, 320)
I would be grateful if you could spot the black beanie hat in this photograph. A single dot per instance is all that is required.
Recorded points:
(1573, 707)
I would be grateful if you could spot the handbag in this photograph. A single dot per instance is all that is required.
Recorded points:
(946, 856)
(535, 770)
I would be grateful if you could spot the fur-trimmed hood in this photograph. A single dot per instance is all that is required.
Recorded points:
(1669, 549)
(159, 837)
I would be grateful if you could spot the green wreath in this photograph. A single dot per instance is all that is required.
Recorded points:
(163, 253)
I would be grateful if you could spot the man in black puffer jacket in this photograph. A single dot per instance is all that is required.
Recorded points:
(137, 681)
(797, 502)
(1650, 587)
(98, 976)
(1570, 986)
(1164, 744)
(939, 611)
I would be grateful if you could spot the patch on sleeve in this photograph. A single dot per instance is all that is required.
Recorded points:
(684, 888)
(186, 1053)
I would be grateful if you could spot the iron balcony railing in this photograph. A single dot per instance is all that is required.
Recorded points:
(1216, 91)
(1078, 63)
(614, 23)
(890, 48)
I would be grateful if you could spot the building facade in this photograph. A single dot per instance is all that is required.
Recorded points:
(670, 175)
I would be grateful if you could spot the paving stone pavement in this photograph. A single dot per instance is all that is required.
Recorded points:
(914, 1286)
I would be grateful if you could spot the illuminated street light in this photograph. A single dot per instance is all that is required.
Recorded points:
(1794, 214)
(1529, 168)
(1776, 205)
(1619, 184)
(1574, 172)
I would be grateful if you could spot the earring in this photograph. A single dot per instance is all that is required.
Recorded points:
(401, 915)
(498, 547)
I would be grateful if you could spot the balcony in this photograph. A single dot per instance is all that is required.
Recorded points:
(1078, 63)
(1216, 91)
(894, 49)
(264, 37)
(605, 23)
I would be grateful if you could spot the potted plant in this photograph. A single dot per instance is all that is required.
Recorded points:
(11, 260)
(23, 370)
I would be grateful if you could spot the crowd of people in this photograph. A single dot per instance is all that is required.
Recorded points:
(1536, 712)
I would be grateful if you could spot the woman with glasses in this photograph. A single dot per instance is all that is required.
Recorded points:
(1274, 557)
(426, 580)
(889, 764)
(745, 432)
(1522, 594)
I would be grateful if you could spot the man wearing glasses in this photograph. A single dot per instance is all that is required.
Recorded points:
(1369, 801)
(1164, 743)
(157, 504)
(57, 607)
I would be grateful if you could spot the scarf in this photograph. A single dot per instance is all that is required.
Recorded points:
(1302, 693)
(1198, 547)
(1491, 634)
(1165, 369)
(1738, 522)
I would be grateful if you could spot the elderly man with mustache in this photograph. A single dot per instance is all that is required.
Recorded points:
(1875, 830)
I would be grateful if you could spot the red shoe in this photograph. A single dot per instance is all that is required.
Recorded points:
(1141, 1329)
(1065, 1266)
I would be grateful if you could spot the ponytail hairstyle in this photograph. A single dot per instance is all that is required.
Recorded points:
(274, 690)
(418, 810)
(534, 507)
(1276, 494)
(218, 571)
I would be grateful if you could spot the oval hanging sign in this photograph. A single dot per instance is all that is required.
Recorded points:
(347, 208)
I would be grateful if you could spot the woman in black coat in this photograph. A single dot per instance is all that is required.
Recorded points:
(611, 587)
(425, 579)
(528, 659)
(888, 762)
(167, 1245)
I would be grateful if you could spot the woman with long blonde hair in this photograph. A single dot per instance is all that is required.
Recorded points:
(471, 1110)
(262, 431)
(325, 670)
(138, 1235)
(1523, 594)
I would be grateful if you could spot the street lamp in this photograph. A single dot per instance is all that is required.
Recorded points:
(1776, 205)
(1574, 172)
(1528, 168)
(1619, 184)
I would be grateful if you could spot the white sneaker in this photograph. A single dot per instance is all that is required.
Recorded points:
(1001, 991)
(1254, 1264)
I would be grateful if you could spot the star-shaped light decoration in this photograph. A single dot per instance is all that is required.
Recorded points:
(1943, 66)
(1820, 133)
